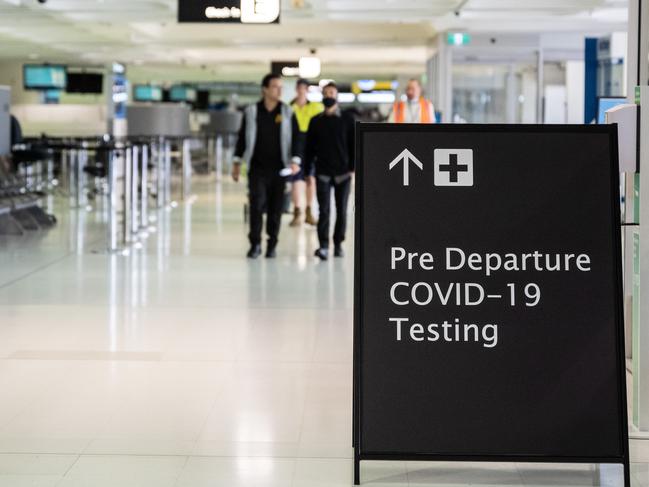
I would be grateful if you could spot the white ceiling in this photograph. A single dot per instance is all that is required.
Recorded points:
(353, 37)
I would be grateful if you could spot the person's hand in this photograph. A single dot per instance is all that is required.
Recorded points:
(295, 168)
(236, 172)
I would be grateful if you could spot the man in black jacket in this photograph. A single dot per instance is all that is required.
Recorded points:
(330, 148)
(267, 143)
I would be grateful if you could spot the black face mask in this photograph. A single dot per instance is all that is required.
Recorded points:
(328, 102)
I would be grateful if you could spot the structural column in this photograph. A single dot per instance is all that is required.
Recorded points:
(439, 69)
(540, 80)
(638, 76)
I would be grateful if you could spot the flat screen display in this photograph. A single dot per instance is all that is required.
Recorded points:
(182, 93)
(147, 93)
(606, 103)
(44, 77)
(51, 97)
(202, 100)
(91, 83)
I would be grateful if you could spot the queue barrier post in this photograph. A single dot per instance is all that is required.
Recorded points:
(144, 188)
(186, 169)
(128, 176)
(135, 191)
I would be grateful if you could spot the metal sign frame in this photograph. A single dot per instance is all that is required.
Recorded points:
(359, 454)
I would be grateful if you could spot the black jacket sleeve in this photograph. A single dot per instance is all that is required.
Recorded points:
(241, 140)
(297, 143)
(351, 142)
(310, 146)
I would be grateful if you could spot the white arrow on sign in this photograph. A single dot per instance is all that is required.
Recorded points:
(406, 156)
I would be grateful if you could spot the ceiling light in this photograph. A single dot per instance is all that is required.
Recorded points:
(259, 11)
(376, 97)
(288, 71)
(310, 67)
(314, 96)
(346, 97)
(366, 84)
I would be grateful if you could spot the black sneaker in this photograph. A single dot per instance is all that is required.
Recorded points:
(338, 251)
(271, 253)
(322, 254)
(254, 252)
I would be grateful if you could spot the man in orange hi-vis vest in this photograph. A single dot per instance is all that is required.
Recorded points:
(416, 109)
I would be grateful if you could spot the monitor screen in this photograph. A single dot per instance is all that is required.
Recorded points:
(44, 77)
(606, 103)
(202, 100)
(147, 93)
(85, 83)
(51, 96)
(182, 93)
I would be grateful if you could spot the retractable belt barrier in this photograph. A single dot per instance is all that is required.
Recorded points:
(127, 172)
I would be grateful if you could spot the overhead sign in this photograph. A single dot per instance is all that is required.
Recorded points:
(233, 11)
(488, 296)
(458, 39)
(285, 68)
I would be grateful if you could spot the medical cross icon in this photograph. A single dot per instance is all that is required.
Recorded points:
(453, 167)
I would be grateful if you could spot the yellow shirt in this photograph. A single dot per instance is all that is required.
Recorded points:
(305, 113)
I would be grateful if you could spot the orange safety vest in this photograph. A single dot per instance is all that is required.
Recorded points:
(400, 111)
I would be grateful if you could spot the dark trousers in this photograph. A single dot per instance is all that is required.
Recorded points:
(341, 196)
(266, 193)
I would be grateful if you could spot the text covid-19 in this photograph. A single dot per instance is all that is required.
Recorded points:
(469, 294)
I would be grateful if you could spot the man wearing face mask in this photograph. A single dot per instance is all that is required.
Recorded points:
(330, 149)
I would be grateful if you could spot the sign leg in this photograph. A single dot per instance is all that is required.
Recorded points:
(627, 473)
(357, 467)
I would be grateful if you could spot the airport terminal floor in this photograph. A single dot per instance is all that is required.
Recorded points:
(184, 364)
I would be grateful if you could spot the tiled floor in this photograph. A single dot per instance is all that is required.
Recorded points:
(185, 365)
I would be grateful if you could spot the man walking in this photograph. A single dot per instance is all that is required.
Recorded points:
(266, 145)
(416, 109)
(304, 111)
(330, 149)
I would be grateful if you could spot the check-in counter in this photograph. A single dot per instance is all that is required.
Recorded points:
(220, 133)
(163, 124)
(169, 120)
(5, 121)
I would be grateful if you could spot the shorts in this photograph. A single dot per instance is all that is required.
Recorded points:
(300, 175)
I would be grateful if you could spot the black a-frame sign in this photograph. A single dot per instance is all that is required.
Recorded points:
(488, 301)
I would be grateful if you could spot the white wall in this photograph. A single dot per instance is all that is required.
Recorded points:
(11, 74)
(528, 90)
(555, 104)
(61, 120)
(83, 115)
(575, 79)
